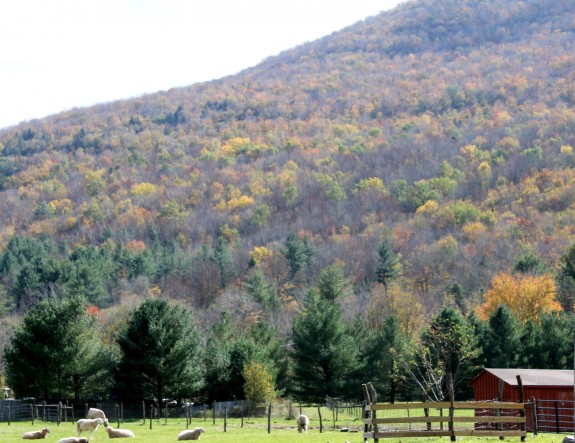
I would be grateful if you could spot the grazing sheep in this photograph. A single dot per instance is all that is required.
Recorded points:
(119, 433)
(96, 413)
(73, 440)
(90, 425)
(191, 434)
(36, 435)
(302, 423)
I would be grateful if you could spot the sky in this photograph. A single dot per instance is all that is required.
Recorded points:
(59, 54)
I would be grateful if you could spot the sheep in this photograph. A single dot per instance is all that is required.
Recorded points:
(193, 434)
(302, 423)
(73, 440)
(36, 435)
(119, 433)
(96, 413)
(90, 425)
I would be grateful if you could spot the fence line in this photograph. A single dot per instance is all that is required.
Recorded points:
(119, 412)
(552, 416)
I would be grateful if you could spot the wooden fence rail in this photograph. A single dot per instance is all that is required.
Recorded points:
(442, 419)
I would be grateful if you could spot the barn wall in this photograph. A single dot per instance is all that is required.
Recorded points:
(486, 387)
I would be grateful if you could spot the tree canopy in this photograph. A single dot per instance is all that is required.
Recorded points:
(160, 354)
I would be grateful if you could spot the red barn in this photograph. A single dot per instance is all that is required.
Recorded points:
(543, 384)
(551, 388)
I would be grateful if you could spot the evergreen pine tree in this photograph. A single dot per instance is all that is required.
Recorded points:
(324, 353)
(387, 265)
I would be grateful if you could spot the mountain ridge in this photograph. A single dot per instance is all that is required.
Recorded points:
(428, 126)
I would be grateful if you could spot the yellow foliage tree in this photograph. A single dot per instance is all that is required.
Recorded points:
(526, 295)
(143, 188)
(258, 385)
(401, 303)
(260, 254)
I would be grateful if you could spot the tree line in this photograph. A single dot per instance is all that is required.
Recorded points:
(162, 350)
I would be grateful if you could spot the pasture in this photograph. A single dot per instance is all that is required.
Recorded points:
(252, 431)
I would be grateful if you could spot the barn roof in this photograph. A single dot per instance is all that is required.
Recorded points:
(534, 377)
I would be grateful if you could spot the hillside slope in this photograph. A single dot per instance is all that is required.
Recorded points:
(445, 127)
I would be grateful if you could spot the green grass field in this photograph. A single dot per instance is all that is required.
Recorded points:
(253, 431)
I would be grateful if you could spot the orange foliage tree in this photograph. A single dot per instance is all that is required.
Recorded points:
(526, 295)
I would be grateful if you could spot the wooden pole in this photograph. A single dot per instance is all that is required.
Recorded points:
(320, 421)
(451, 409)
(534, 412)
(151, 415)
(522, 401)
(498, 411)
(269, 418)
(333, 415)
(225, 418)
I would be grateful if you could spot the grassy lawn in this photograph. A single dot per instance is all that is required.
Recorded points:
(253, 431)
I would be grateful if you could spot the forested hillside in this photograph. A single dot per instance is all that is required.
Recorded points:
(417, 160)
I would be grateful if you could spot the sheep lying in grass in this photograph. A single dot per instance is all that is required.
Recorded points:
(302, 423)
(36, 435)
(119, 433)
(90, 425)
(191, 434)
(73, 440)
(96, 413)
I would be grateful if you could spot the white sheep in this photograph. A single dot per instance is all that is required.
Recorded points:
(191, 434)
(119, 433)
(90, 425)
(73, 440)
(36, 435)
(302, 423)
(96, 413)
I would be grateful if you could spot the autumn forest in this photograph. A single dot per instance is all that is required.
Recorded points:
(415, 172)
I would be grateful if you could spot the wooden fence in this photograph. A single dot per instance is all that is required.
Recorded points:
(441, 419)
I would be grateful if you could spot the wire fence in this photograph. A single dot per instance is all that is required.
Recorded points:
(551, 416)
(333, 413)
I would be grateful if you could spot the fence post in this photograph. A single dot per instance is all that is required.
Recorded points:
(426, 411)
(8, 407)
(501, 387)
(534, 412)
(557, 427)
(451, 408)
(225, 418)
(270, 418)
(58, 413)
(320, 420)
(333, 416)
(143, 412)
(151, 415)
(117, 411)
(32, 411)
(43, 410)
(522, 401)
